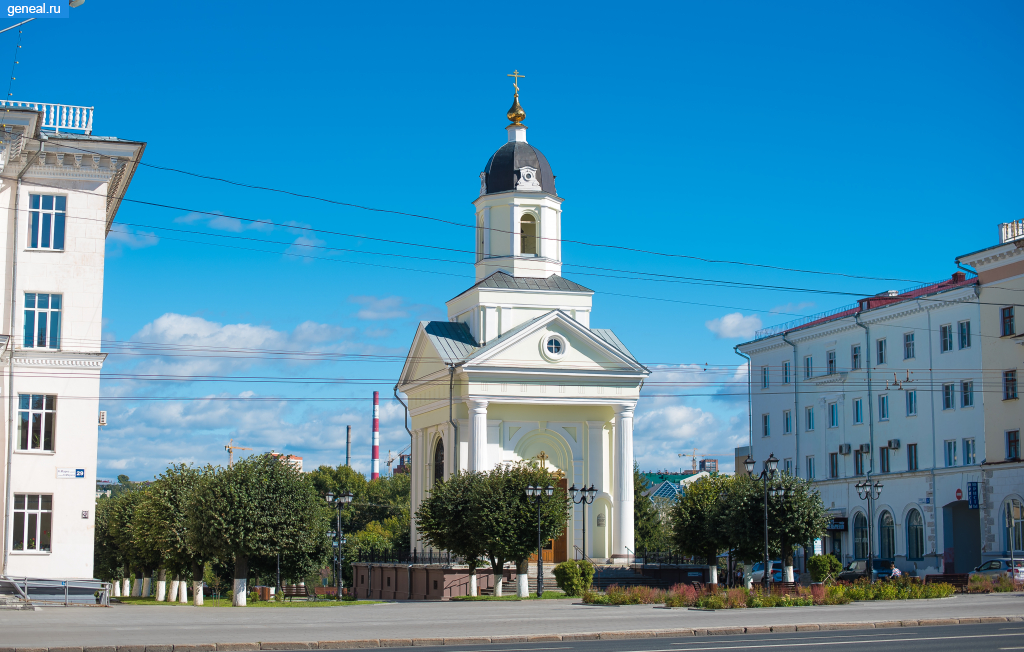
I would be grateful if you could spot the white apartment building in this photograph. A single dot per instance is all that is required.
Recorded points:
(61, 187)
(916, 389)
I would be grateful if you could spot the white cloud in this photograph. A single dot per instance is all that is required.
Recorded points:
(214, 220)
(379, 308)
(122, 236)
(734, 325)
(793, 308)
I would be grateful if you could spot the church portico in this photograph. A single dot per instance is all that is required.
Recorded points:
(517, 373)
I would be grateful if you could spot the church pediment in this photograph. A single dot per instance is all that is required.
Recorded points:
(555, 341)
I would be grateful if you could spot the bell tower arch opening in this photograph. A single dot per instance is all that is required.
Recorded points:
(528, 240)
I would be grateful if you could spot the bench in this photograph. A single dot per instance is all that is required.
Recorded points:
(290, 591)
(958, 580)
(784, 588)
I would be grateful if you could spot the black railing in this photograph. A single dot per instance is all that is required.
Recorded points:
(656, 557)
(427, 557)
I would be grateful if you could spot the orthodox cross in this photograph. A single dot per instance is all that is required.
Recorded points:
(542, 456)
(515, 82)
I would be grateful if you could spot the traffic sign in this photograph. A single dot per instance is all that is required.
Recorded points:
(959, 495)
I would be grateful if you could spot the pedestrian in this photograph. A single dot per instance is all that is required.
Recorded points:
(895, 571)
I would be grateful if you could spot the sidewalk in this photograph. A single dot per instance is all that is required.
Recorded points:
(128, 625)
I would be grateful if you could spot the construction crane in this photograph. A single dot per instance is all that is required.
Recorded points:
(231, 448)
(705, 456)
(394, 456)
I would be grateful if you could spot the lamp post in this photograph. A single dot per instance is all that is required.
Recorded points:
(537, 493)
(869, 491)
(338, 502)
(771, 465)
(586, 497)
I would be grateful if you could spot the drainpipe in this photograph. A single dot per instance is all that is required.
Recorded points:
(405, 421)
(451, 415)
(10, 376)
(750, 413)
(796, 407)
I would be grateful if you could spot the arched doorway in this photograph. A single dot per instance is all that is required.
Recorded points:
(860, 536)
(961, 537)
(439, 461)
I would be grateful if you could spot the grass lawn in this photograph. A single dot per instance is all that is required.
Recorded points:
(548, 595)
(226, 602)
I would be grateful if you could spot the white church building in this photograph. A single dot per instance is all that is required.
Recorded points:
(518, 372)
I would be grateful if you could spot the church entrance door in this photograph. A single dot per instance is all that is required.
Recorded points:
(556, 550)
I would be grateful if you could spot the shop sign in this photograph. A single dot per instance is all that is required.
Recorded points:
(837, 523)
(972, 495)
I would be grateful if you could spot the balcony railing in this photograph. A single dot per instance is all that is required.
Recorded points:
(1010, 231)
(58, 116)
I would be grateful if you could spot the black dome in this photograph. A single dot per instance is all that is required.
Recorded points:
(502, 169)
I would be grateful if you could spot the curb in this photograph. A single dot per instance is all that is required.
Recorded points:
(536, 638)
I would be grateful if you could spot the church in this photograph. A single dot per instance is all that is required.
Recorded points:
(518, 372)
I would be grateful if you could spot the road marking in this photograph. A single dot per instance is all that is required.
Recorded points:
(763, 645)
(804, 638)
(1011, 648)
(523, 649)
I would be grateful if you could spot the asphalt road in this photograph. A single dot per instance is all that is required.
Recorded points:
(950, 638)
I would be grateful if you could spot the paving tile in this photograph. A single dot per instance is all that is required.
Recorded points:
(467, 640)
(673, 633)
(929, 622)
(427, 641)
(783, 628)
(287, 645)
(835, 626)
(757, 630)
(543, 638)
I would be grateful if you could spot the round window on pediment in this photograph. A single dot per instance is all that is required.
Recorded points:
(553, 347)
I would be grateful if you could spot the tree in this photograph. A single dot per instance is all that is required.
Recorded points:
(448, 520)
(698, 521)
(257, 508)
(509, 518)
(796, 519)
(123, 536)
(651, 517)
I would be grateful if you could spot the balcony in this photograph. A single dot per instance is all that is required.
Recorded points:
(58, 116)
(1010, 231)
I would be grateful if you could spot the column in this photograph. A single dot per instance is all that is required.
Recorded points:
(623, 513)
(477, 435)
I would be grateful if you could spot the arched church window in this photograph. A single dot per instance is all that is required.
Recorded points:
(439, 461)
(1013, 525)
(528, 245)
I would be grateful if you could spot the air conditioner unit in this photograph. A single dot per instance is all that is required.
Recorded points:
(103, 417)
(894, 444)
(844, 449)
(865, 448)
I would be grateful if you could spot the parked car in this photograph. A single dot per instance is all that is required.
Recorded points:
(995, 567)
(757, 572)
(858, 569)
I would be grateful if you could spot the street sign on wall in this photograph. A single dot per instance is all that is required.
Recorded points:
(972, 495)
(70, 474)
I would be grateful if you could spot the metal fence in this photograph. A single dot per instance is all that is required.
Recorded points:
(442, 558)
(56, 592)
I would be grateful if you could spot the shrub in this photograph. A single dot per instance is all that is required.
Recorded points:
(711, 601)
(824, 567)
(616, 594)
(574, 577)
(681, 595)
(980, 584)
(1003, 584)
(594, 597)
(737, 598)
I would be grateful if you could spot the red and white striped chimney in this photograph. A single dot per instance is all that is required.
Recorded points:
(375, 463)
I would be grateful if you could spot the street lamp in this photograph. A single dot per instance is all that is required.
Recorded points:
(586, 497)
(869, 491)
(538, 493)
(338, 502)
(771, 465)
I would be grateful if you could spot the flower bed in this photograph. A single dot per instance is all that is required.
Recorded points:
(684, 595)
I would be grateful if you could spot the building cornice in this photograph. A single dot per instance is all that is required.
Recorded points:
(61, 359)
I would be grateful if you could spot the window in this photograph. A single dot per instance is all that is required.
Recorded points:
(858, 410)
(886, 536)
(945, 338)
(970, 456)
(915, 536)
(950, 452)
(766, 425)
(809, 418)
(528, 236)
(810, 467)
(880, 356)
(1013, 523)
(833, 415)
(855, 356)
(965, 334)
(908, 346)
(1006, 322)
(1009, 385)
(883, 459)
(948, 396)
(833, 465)
(787, 465)
(764, 377)
(36, 414)
(786, 373)
(808, 367)
(967, 393)
(883, 407)
(860, 536)
(830, 360)
(911, 402)
(787, 422)
(911, 457)
(33, 522)
(1013, 444)
(46, 221)
(42, 320)
(858, 463)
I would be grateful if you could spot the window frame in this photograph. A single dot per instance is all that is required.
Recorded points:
(810, 467)
(33, 424)
(43, 517)
(964, 333)
(833, 415)
(966, 393)
(858, 463)
(948, 396)
(860, 536)
(1007, 327)
(809, 418)
(945, 338)
(766, 425)
(884, 460)
(883, 407)
(765, 377)
(47, 223)
(881, 353)
(908, 346)
(856, 359)
(912, 464)
(1013, 444)
(833, 465)
(911, 401)
(915, 535)
(1010, 385)
(808, 367)
(858, 411)
(787, 466)
(970, 451)
(830, 362)
(52, 330)
(949, 453)
(787, 422)
(886, 535)
(787, 376)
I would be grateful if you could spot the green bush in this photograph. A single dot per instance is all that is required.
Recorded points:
(824, 567)
(574, 577)
(712, 601)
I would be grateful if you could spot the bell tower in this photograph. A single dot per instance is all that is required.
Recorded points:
(518, 212)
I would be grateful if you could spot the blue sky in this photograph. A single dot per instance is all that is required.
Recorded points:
(877, 139)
